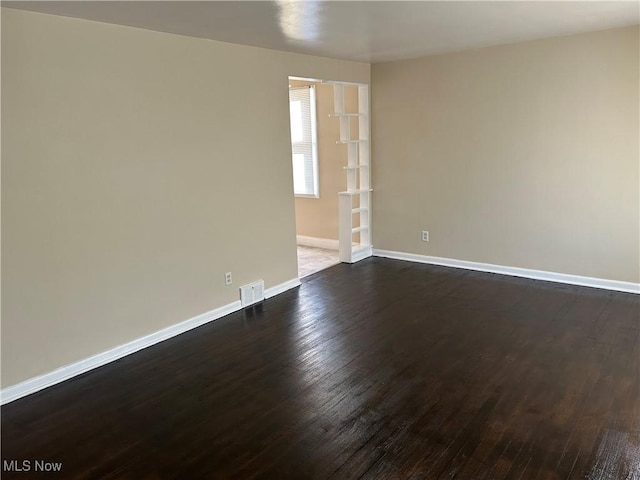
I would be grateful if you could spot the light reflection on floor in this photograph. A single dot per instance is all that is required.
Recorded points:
(318, 365)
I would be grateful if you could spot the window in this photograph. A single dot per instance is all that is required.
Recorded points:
(302, 108)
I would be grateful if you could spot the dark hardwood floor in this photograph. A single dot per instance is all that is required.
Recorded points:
(379, 370)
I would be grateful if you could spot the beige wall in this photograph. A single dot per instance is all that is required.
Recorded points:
(137, 168)
(318, 217)
(523, 155)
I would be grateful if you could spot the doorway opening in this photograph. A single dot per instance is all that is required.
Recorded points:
(330, 163)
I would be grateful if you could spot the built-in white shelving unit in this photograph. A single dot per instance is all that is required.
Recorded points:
(354, 240)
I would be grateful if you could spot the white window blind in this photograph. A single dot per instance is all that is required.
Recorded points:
(302, 107)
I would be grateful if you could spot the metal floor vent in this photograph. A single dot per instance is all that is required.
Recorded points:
(252, 293)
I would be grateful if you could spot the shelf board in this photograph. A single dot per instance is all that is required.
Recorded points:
(356, 192)
(359, 229)
(352, 141)
(356, 167)
(359, 210)
(348, 114)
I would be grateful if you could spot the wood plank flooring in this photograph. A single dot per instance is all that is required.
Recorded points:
(379, 370)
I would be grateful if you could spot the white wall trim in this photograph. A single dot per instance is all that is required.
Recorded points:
(616, 285)
(317, 242)
(281, 288)
(61, 374)
(361, 253)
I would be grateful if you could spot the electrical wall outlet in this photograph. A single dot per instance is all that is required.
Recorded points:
(425, 236)
(228, 279)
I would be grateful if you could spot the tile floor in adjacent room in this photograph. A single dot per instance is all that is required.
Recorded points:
(312, 259)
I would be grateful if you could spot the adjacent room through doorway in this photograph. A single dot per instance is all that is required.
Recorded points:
(319, 165)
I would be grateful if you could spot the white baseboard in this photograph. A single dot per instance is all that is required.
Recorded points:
(61, 374)
(616, 285)
(361, 253)
(283, 287)
(317, 242)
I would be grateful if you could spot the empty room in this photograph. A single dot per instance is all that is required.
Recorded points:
(482, 320)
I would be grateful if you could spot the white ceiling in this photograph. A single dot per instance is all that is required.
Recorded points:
(372, 31)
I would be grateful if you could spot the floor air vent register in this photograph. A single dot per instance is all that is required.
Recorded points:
(252, 293)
